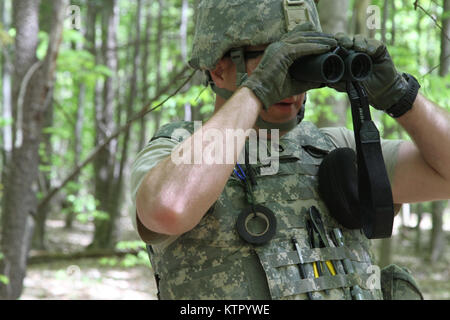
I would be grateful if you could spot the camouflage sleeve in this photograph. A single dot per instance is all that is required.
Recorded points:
(148, 158)
(344, 138)
(159, 148)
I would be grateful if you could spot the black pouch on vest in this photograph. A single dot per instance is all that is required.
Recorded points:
(398, 284)
(338, 187)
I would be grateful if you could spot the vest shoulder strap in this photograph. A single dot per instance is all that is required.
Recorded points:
(178, 131)
(310, 138)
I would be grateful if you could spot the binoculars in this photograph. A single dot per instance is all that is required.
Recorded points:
(332, 67)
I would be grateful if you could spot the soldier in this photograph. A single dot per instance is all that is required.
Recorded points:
(188, 213)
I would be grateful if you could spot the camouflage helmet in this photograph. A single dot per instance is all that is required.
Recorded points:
(225, 24)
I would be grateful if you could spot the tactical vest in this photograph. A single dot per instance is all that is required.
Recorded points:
(212, 262)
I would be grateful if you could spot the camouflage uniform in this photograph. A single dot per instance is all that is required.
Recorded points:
(211, 261)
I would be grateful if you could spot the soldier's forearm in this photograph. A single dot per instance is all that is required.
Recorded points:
(429, 127)
(173, 197)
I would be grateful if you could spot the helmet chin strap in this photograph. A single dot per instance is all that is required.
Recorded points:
(237, 56)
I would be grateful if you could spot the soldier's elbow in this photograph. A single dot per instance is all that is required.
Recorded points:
(162, 216)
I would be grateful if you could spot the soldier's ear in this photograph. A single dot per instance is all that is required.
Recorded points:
(221, 73)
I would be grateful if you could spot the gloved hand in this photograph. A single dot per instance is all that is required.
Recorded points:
(270, 81)
(385, 87)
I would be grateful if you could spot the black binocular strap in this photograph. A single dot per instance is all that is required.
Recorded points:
(374, 188)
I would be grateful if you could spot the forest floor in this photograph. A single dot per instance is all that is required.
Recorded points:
(109, 278)
(128, 279)
(432, 278)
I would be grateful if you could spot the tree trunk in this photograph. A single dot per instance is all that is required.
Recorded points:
(394, 26)
(419, 213)
(445, 43)
(105, 161)
(77, 144)
(6, 67)
(116, 195)
(160, 30)
(183, 46)
(19, 202)
(437, 233)
(89, 33)
(159, 36)
(93, 154)
(46, 257)
(6, 102)
(384, 20)
(44, 181)
(361, 17)
(145, 85)
(333, 17)
(419, 36)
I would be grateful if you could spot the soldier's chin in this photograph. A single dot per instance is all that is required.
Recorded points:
(283, 110)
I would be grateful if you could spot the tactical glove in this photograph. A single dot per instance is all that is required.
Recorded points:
(270, 81)
(385, 86)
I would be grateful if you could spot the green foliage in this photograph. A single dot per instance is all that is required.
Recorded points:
(130, 245)
(108, 261)
(76, 66)
(5, 122)
(5, 37)
(4, 279)
(43, 44)
(129, 260)
(84, 206)
(319, 105)
(196, 96)
(437, 89)
(445, 15)
(416, 50)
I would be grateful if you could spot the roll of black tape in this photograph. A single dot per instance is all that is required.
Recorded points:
(256, 212)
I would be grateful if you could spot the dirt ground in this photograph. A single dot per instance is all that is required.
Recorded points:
(89, 278)
(97, 279)
(86, 280)
(433, 279)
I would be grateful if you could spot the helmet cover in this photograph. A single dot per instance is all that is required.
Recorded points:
(225, 24)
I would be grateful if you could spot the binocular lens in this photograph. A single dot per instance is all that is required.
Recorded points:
(332, 68)
(326, 68)
(359, 66)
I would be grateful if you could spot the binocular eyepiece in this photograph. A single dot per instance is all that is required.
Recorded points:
(332, 67)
